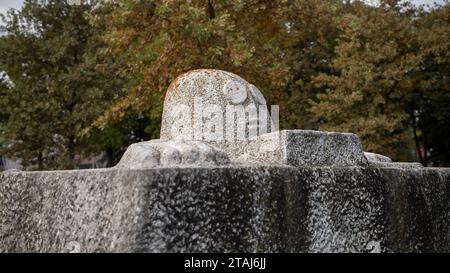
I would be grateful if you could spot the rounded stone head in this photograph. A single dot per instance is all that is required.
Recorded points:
(199, 104)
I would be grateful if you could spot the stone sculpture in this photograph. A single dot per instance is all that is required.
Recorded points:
(203, 187)
(185, 141)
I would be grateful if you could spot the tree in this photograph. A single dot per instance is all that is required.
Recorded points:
(313, 38)
(365, 90)
(91, 78)
(429, 100)
(60, 82)
(330, 65)
(389, 81)
(162, 39)
(3, 117)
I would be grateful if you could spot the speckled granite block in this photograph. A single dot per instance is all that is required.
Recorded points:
(225, 209)
(303, 148)
(155, 210)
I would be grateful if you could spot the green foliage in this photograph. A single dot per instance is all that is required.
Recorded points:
(86, 80)
(389, 81)
(428, 103)
(366, 87)
(331, 65)
(309, 52)
(163, 39)
(60, 82)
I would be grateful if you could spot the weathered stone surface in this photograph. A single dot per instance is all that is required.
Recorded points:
(288, 147)
(375, 209)
(229, 209)
(201, 90)
(401, 165)
(158, 153)
(377, 157)
(415, 201)
(381, 161)
(300, 148)
(222, 89)
(156, 210)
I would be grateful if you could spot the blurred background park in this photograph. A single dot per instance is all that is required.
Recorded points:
(81, 80)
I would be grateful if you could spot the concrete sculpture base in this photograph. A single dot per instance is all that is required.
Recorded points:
(226, 209)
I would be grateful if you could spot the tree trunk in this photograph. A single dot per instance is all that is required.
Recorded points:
(416, 140)
(40, 162)
(211, 11)
(71, 149)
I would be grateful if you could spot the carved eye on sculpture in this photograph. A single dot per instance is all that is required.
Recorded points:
(235, 91)
(257, 94)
